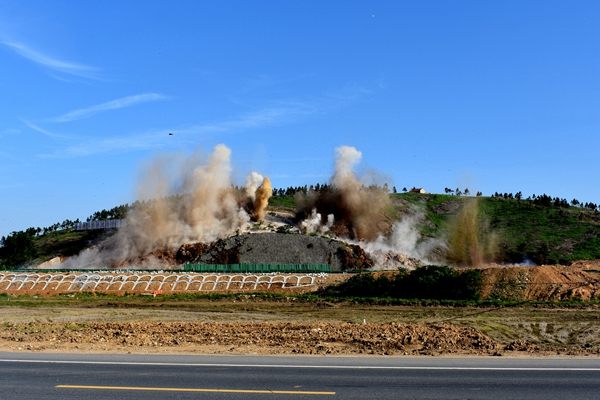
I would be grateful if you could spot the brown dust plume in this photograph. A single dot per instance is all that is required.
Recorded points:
(469, 241)
(189, 199)
(357, 210)
(261, 200)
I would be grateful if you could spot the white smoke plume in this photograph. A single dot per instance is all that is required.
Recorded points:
(314, 224)
(252, 183)
(196, 204)
(344, 177)
(403, 246)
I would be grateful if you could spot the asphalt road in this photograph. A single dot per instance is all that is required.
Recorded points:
(70, 376)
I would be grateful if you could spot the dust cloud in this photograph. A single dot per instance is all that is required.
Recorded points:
(354, 211)
(350, 208)
(190, 199)
(470, 243)
(404, 246)
(261, 200)
(193, 199)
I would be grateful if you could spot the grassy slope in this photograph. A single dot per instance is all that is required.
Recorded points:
(286, 202)
(545, 234)
(64, 243)
(425, 203)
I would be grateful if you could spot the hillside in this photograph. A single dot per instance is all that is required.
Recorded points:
(515, 230)
(519, 229)
(505, 230)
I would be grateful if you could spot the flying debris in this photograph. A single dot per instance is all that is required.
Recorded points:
(170, 134)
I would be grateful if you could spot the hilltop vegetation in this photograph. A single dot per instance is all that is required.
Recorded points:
(507, 228)
(543, 232)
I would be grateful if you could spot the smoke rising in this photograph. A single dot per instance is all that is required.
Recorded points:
(357, 210)
(252, 182)
(261, 200)
(192, 200)
(404, 245)
(469, 241)
(313, 224)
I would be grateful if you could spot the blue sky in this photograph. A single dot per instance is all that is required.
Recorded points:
(493, 96)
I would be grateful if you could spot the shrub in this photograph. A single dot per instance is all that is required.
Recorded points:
(427, 282)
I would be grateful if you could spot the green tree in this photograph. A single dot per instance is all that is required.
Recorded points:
(17, 248)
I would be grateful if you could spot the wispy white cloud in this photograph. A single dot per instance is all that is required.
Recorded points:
(53, 63)
(44, 131)
(280, 113)
(161, 139)
(270, 116)
(124, 144)
(109, 105)
(111, 145)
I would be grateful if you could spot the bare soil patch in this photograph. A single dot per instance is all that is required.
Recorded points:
(245, 338)
(260, 325)
(581, 280)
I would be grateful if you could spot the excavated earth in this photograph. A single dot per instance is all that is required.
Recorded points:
(253, 338)
(580, 281)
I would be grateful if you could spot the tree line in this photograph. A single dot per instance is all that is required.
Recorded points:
(547, 201)
(459, 192)
(324, 188)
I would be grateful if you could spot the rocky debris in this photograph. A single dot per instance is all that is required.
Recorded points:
(277, 248)
(522, 345)
(158, 259)
(223, 251)
(191, 251)
(353, 257)
(392, 261)
(272, 338)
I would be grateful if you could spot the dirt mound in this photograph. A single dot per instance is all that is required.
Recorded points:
(241, 338)
(522, 345)
(547, 282)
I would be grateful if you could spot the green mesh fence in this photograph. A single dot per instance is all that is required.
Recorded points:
(257, 268)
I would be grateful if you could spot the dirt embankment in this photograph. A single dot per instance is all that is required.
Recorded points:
(581, 280)
(253, 338)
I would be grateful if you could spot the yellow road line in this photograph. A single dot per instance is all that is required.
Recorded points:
(163, 389)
